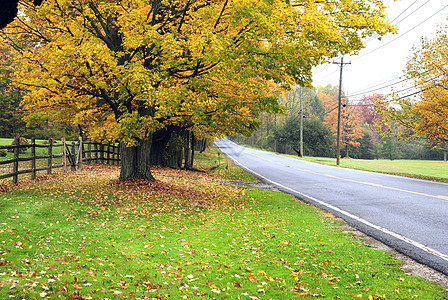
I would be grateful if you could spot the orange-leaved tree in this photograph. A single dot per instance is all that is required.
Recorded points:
(124, 69)
(351, 129)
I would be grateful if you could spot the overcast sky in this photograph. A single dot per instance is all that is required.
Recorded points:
(382, 63)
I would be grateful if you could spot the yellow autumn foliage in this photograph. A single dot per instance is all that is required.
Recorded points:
(123, 69)
(427, 68)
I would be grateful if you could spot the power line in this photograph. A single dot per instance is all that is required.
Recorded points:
(376, 35)
(383, 45)
(379, 83)
(321, 69)
(329, 74)
(366, 91)
(418, 92)
(326, 66)
(380, 88)
(410, 13)
(385, 96)
(392, 100)
(329, 111)
(408, 88)
(387, 83)
(405, 11)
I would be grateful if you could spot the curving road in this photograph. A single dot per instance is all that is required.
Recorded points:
(410, 215)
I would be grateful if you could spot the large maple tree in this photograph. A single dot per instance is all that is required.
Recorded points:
(124, 69)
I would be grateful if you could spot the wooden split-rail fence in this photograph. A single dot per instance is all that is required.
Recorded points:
(63, 155)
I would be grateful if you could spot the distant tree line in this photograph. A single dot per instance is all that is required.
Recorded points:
(365, 132)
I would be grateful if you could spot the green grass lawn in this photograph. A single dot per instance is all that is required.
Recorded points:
(5, 141)
(8, 141)
(27, 153)
(425, 169)
(217, 164)
(85, 235)
(40, 163)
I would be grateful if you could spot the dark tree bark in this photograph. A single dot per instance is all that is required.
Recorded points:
(167, 147)
(173, 158)
(160, 141)
(170, 146)
(188, 150)
(202, 145)
(193, 146)
(135, 161)
(173, 151)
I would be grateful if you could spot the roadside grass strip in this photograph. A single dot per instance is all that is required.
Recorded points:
(86, 235)
(217, 164)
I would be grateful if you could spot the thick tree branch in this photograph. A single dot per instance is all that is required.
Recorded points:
(183, 16)
(220, 14)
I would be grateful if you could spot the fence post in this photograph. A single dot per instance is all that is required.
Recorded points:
(89, 153)
(33, 158)
(50, 156)
(15, 167)
(108, 155)
(79, 159)
(118, 155)
(102, 154)
(64, 154)
(95, 147)
(73, 155)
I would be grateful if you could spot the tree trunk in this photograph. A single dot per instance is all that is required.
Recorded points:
(173, 152)
(193, 146)
(202, 145)
(187, 151)
(167, 148)
(159, 146)
(135, 161)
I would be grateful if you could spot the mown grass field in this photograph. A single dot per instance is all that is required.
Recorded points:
(425, 169)
(8, 141)
(27, 153)
(85, 235)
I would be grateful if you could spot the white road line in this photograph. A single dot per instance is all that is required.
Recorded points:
(384, 230)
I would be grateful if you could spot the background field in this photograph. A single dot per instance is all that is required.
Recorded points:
(426, 169)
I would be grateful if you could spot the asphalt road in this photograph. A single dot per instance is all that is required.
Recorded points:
(409, 215)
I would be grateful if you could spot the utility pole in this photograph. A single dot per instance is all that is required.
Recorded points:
(275, 128)
(261, 130)
(301, 122)
(338, 135)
